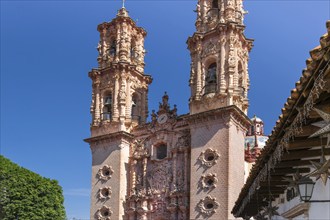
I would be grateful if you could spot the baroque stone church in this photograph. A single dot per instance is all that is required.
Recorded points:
(187, 166)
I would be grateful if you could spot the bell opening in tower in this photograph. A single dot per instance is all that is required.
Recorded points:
(113, 48)
(107, 107)
(211, 79)
(135, 109)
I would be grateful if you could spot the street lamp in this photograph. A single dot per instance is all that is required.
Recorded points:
(305, 188)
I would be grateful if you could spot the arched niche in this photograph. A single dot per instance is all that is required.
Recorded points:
(210, 76)
(136, 107)
(107, 105)
(113, 47)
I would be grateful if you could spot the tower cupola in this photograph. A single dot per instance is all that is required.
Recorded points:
(120, 86)
(219, 54)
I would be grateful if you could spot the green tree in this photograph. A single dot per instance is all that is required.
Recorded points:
(25, 195)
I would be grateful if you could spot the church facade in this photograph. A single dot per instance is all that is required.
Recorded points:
(187, 166)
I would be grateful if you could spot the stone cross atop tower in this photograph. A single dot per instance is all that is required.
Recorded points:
(219, 57)
(120, 87)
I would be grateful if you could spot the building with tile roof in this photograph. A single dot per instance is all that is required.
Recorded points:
(297, 150)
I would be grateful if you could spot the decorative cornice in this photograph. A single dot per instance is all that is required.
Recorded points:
(228, 110)
(111, 136)
(106, 25)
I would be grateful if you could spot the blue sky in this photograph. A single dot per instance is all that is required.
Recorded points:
(48, 47)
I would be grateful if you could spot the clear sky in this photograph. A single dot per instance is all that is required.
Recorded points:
(48, 47)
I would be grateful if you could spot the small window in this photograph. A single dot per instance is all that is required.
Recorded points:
(113, 48)
(161, 152)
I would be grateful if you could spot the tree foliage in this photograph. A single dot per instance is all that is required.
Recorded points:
(27, 195)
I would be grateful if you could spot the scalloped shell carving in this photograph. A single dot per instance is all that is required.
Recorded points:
(209, 157)
(105, 172)
(105, 193)
(209, 181)
(103, 213)
(208, 205)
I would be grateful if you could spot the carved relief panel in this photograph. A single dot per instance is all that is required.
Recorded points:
(159, 172)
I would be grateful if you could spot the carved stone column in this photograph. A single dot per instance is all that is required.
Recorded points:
(145, 160)
(133, 168)
(143, 110)
(122, 103)
(97, 101)
(128, 99)
(117, 42)
(115, 99)
(199, 76)
(222, 64)
(186, 167)
(174, 186)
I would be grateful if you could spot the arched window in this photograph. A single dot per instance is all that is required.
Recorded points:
(135, 108)
(133, 48)
(161, 151)
(215, 4)
(113, 48)
(107, 107)
(211, 79)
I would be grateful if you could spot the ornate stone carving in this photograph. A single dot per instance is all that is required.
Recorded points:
(208, 205)
(210, 49)
(105, 193)
(105, 172)
(160, 177)
(209, 181)
(183, 141)
(139, 150)
(209, 157)
(103, 213)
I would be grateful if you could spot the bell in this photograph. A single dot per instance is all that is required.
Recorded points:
(133, 104)
(108, 101)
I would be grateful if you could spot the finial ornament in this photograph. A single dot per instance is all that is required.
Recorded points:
(123, 3)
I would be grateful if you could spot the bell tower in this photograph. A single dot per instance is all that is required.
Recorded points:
(219, 54)
(119, 103)
(120, 87)
(219, 82)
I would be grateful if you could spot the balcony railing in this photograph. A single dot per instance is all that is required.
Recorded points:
(107, 116)
(210, 88)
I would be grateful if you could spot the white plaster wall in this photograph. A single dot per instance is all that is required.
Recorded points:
(317, 210)
(320, 210)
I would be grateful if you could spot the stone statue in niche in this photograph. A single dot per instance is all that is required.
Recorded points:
(140, 150)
